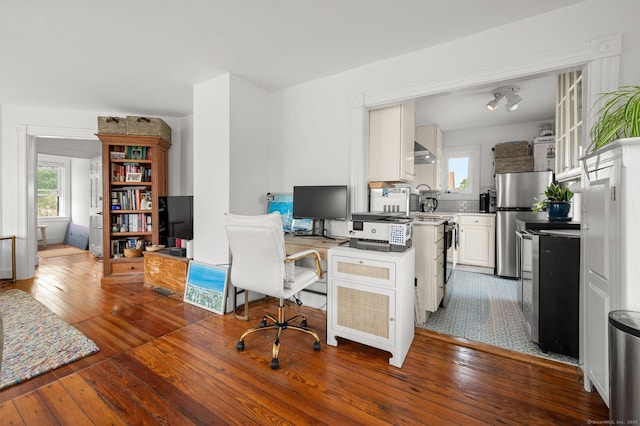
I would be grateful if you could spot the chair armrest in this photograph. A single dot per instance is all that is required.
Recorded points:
(306, 253)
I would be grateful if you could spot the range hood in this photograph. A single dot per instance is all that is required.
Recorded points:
(422, 155)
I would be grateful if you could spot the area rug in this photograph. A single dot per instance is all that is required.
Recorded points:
(35, 339)
(60, 252)
(485, 308)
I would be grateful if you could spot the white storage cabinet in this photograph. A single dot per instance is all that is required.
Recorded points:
(371, 299)
(609, 251)
(477, 240)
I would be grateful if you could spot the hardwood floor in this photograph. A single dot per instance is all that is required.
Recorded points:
(165, 362)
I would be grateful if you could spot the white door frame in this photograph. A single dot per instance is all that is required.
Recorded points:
(27, 220)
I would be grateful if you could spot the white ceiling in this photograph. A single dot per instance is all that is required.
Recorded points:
(467, 109)
(144, 56)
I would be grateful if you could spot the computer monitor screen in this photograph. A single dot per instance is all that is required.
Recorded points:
(320, 202)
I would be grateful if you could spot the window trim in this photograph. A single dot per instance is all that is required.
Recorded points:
(471, 151)
(65, 185)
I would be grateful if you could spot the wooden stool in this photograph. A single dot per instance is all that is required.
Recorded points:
(13, 256)
(43, 233)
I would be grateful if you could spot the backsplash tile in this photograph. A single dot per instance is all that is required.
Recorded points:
(462, 206)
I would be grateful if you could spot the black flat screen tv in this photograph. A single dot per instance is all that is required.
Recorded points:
(176, 219)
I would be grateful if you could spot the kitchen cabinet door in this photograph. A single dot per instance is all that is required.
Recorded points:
(391, 143)
(477, 241)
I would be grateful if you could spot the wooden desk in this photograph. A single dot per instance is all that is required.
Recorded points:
(295, 244)
(13, 256)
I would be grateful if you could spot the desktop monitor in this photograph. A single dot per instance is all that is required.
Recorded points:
(320, 203)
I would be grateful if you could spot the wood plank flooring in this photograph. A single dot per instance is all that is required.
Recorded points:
(165, 362)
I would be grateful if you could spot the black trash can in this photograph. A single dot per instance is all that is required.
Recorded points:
(624, 366)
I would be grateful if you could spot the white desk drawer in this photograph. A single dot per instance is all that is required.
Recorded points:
(364, 270)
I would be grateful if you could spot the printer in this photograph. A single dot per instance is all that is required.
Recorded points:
(380, 231)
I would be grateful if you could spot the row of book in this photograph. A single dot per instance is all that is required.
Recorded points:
(119, 152)
(133, 198)
(130, 172)
(133, 222)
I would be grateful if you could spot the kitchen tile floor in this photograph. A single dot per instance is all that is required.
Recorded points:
(485, 308)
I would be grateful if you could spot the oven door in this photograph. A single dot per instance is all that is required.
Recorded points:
(450, 249)
(524, 264)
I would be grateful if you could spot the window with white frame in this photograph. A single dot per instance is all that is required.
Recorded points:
(460, 165)
(51, 183)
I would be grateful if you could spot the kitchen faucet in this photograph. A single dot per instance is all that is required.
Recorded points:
(428, 204)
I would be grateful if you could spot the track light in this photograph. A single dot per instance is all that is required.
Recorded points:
(505, 91)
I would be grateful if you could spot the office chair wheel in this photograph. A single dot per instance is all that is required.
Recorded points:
(263, 323)
(275, 364)
(316, 346)
(303, 323)
(240, 345)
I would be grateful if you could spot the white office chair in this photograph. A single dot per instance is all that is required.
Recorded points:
(260, 264)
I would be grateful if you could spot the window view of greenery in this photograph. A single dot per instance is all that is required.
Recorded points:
(458, 179)
(48, 184)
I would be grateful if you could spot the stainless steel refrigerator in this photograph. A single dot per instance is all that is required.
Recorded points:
(515, 195)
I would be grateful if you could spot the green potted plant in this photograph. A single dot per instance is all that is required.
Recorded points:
(557, 202)
(619, 117)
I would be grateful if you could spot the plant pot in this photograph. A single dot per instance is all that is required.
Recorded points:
(558, 210)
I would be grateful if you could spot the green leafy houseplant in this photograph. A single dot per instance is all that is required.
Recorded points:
(619, 117)
(554, 194)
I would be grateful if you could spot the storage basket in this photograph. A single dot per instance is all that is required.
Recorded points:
(132, 252)
(514, 164)
(112, 125)
(511, 149)
(148, 126)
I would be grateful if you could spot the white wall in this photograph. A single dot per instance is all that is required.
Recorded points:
(211, 164)
(487, 138)
(80, 191)
(311, 127)
(250, 150)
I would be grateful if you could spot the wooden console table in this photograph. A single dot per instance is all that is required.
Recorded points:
(167, 272)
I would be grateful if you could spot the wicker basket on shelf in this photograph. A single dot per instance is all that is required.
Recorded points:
(132, 252)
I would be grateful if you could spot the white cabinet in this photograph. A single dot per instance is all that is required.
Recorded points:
(428, 241)
(391, 143)
(431, 174)
(477, 240)
(609, 250)
(370, 299)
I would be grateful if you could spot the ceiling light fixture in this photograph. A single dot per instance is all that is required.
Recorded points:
(505, 91)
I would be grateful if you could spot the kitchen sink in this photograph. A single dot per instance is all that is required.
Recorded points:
(429, 219)
(432, 217)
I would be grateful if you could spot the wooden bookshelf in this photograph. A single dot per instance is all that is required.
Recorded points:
(135, 175)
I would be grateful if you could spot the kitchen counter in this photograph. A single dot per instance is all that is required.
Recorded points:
(438, 218)
(539, 224)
